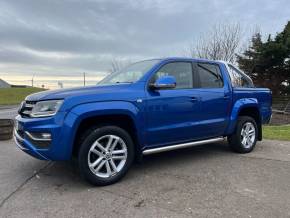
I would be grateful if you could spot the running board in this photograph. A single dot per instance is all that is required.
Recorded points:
(183, 145)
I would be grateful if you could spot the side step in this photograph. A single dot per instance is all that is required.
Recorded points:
(183, 145)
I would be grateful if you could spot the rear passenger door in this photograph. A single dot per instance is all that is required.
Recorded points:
(214, 99)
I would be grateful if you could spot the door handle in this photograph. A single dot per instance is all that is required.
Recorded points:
(193, 98)
(226, 97)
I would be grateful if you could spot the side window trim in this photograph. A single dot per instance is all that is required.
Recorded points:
(221, 75)
(170, 62)
(195, 75)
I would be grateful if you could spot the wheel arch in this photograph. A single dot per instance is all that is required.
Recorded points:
(246, 107)
(122, 114)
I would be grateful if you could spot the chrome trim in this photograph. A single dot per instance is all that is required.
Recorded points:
(35, 139)
(183, 145)
(42, 115)
(20, 146)
(17, 136)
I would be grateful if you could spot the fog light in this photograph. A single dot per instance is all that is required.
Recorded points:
(46, 136)
(39, 136)
(39, 139)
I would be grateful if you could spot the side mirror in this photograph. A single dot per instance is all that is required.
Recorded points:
(164, 82)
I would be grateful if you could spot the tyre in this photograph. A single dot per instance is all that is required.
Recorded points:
(244, 139)
(105, 155)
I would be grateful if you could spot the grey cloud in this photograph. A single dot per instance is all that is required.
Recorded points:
(93, 32)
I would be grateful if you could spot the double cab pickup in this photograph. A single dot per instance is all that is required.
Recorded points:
(148, 107)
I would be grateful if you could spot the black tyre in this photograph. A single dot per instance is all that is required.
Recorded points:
(105, 155)
(244, 139)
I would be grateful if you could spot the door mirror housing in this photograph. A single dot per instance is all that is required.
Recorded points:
(164, 82)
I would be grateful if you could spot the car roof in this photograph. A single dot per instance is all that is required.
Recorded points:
(191, 59)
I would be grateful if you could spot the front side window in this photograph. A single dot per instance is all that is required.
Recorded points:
(181, 71)
(238, 79)
(129, 74)
(209, 75)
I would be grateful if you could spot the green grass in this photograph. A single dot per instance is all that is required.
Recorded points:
(277, 132)
(11, 96)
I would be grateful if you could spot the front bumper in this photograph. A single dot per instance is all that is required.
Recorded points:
(27, 146)
(60, 128)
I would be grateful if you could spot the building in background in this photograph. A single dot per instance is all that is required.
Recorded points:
(4, 84)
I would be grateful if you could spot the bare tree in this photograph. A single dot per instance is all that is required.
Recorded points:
(220, 43)
(117, 64)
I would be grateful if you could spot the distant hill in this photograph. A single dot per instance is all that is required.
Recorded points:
(4, 84)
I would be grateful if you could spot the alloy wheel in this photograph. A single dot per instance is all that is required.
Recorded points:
(107, 156)
(248, 135)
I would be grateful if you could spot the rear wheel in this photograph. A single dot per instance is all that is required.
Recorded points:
(105, 155)
(244, 139)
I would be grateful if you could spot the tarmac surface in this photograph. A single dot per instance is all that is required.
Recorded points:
(203, 181)
(8, 112)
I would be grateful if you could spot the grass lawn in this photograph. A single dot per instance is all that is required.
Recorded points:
(11, 96)
(277, 132)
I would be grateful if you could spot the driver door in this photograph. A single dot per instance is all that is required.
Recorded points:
(172, 115)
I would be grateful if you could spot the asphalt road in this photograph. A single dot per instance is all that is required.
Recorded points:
(204, 181)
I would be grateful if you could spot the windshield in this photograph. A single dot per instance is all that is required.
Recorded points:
(129, 74)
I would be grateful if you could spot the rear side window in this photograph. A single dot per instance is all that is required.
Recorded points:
(238, 79)
(182, 71)
(209, 75)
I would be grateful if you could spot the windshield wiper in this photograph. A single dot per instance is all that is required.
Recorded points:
(123, 82)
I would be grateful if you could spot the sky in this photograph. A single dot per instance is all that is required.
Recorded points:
(62, 39)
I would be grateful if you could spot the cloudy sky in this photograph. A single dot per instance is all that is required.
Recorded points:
(62, 37)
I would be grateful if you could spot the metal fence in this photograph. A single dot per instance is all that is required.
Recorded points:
(281, 104)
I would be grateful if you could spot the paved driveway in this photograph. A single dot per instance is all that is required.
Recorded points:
(8, 112)
(204, 181)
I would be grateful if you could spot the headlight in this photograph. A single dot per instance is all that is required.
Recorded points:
(46, 108)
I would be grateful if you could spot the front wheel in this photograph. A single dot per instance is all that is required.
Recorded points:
(244, 139)
(105, 155)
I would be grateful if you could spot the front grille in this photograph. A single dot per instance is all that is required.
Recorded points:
(26, 108)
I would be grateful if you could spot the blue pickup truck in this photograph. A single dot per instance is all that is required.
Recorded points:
(148, 107)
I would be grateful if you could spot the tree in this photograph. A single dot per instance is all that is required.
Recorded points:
(220, 43)
(268, 63)
(249, 59)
